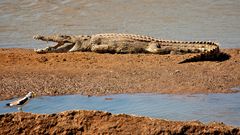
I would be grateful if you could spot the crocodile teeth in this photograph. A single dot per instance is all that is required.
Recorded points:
(37, 37)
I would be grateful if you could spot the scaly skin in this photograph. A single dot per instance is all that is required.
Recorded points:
(128, 43)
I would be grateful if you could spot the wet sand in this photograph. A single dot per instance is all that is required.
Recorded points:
(88, 73)
(97, 122)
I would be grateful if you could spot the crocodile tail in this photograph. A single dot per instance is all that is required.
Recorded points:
(212, 54)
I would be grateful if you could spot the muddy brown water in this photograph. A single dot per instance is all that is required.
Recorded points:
(205, 108)
(216, 20)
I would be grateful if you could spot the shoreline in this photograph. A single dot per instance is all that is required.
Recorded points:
(87, 73)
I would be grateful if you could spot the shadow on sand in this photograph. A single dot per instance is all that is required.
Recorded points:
(219, 57)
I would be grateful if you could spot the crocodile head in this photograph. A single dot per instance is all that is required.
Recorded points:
(65, 43)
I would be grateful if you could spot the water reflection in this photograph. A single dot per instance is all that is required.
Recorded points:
(213, 107)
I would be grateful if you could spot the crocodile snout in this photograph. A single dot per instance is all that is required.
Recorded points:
(38, 37)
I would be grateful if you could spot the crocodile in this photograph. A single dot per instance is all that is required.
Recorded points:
(128, 43)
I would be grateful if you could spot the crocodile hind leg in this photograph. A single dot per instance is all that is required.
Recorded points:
(56, 49)
(153, 47)
(103, 49)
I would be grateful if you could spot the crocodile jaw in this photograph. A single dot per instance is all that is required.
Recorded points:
(53, 38)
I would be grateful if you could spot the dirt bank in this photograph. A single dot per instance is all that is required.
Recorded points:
(97, 122)
(22, 70)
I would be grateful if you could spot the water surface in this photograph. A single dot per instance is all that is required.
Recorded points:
(216, 20)
(213, 107)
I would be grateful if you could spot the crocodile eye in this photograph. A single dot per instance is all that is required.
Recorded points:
(64, 36)
(158, 46)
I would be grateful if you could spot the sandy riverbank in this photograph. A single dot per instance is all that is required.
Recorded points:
(97, 122)
(22, 70)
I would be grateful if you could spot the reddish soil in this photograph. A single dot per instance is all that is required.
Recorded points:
(22, 71)
(96, 122)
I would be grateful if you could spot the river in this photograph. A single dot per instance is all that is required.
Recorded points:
(215, 20)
